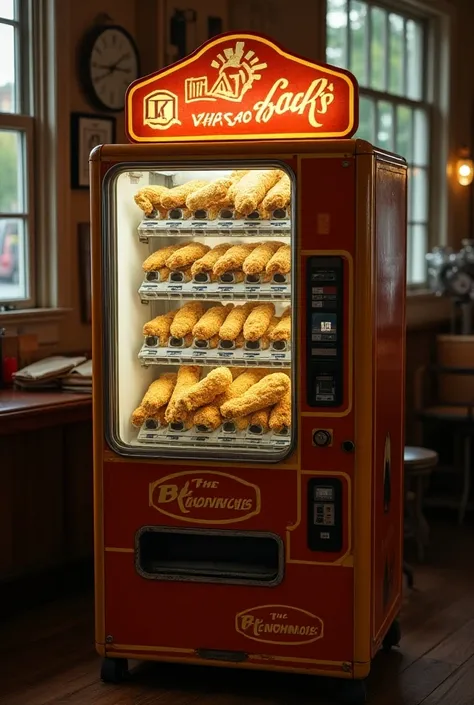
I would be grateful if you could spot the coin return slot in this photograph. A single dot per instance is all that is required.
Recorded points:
(279, 345)
(208, 556)
(152, 276)
(151, 341)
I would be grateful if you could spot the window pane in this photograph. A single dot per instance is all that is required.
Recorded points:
(420, 195)
(409, 252)
(404, 137)
(359, 39)
(421, 138)
(336, 33)
(384, 125)
(7, 9)
(410, 194)
(418, 247)
(7, 69)
(415, 60)
(378, 48)
(11, 172)
(366, 129)
(13, 270)
(397, 50)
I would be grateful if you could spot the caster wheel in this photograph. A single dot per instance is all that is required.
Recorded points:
(352, 693)
(393, 636)
(114, 670)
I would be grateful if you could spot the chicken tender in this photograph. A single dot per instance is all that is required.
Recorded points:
(212, 194)
(278, 196)
(157, 260)
(207, 262)
(148, 198)
(259, 420)
(233, 259)
(211, 321)
(140, 415)
(243, 381)
(176, 197)
(280, 416)
(258, 321)
(253, 187)
(185, 256)
(208, 416)
(236, 176)
(280, 263)
(188, 375)
(160, 326)
(266, 339)
(159, 392)
(267, 392)
(234, 322)
(282, 331)
(205, 391)
(258, 259)
(186, 318)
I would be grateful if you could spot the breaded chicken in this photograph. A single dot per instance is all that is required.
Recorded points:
(233, 259)
(207, 262)
(278, 196)
(148, 198)
(208, 416)
(205, 391)
(188, 375)
(157, 259)
(186, 318)
(280, 416)
(253, 187)
(258, 259)
(259, 420)
(186, 256)
(234, 322)
(266, 339)
(236, 176)
(160, 326)
(211, 321)
(239, 341)
(258, 321)
(282, 330)
(140, 415)
(280, 263)
(212, 194)
(176, 197)
(267, 392)
(159, 392)
(164, 274)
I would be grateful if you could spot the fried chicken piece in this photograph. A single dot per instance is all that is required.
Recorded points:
(280, 263)
(159, 392)
(164, 274)
(240, 341)
(211, 321)
(176, 197)
(140, 415)
(148, 198)
(207, 262)
(258, 321)
(278, 196)
(234, 322)
(236, 176)
(280, 416)
(186, 318)
(233, 259)
(258, 259)
(160, 326)
(253, 187)
(282, 331)
(185, 256)
(213, 342)
(157, 260)
(188, 375)
(266, 339)
(267, 392)
(260, 419)
(205, 391)
(212, 194)
(208, 416)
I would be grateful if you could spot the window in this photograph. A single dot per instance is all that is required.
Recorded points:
(387, 50)
(16, 157)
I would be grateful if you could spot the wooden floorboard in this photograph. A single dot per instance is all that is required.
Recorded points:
(47, 656)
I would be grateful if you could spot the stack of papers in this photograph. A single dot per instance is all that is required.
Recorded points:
(79, 379)
(47, 373)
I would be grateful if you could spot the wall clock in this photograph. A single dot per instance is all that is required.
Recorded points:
(108, 63)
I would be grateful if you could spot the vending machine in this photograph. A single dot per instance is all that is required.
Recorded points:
(248, 332)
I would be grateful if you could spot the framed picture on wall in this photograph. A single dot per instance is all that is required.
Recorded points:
(87, 131)
(85, 283)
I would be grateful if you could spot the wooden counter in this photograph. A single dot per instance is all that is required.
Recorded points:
(20, 410)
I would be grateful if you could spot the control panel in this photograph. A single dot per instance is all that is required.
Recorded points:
(325, 514)
(324, 331)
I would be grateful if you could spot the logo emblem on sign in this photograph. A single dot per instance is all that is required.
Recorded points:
(205, 497)
(161, 110)
(279, 624)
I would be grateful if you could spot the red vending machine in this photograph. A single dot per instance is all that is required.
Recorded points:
(249, 318)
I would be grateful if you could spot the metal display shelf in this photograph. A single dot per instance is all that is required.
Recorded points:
(152, 290)
(213, 228)
(154, 355)
(219, 439)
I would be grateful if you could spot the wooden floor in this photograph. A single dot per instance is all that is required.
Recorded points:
(47, 656)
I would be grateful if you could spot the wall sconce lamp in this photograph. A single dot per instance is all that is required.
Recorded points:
(465, 168)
